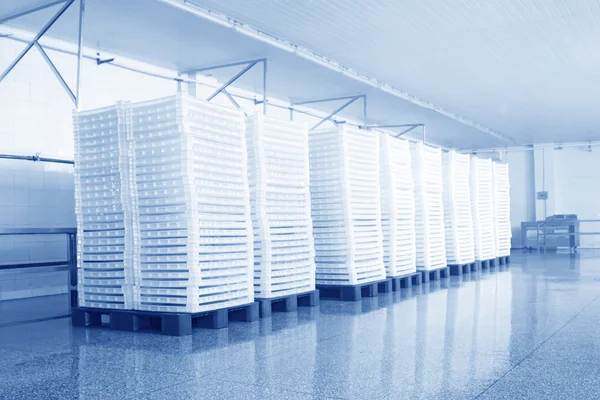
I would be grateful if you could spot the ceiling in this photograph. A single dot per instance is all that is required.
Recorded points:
(526, 68)
(523, 68)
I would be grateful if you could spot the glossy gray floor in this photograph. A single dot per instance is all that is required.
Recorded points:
(528, 332)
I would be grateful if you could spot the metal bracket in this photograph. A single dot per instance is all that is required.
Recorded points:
(408, 128)
(35, 42)
(100, 61)
(223, 89)
(351, 99)
(64, 84)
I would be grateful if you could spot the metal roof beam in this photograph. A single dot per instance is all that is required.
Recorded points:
(20, 14)
(308, 54)
(56, 73)
(36, 38)
(392, 126)
(35, 42)
(223, 89)
(409, 127)
(220, 66)
(337, 110)
(231, 99)
(229, 82)
(404, 132)
(299, 103)
(351, 99)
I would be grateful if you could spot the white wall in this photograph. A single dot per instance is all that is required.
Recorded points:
(577, 188)
(522, 191)
(35, 116)
(569, 175)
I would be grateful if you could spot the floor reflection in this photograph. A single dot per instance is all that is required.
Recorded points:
(459, 338)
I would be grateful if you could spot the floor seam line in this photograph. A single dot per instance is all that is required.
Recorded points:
(537, 347)
(33, 321)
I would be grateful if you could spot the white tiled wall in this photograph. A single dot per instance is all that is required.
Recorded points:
(35, 116)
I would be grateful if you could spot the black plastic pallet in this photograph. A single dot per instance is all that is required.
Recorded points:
(486, 264)
(169, 323)
(504, 260)
(288, 303)
(462, 269)
(353, 292)
(403, 282)
(435, 274)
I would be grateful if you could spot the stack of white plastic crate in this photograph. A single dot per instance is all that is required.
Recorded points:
(429, 206)
(284, 254)
(458, 213)
(103, 209)
(483, 208)
(397, 207)
(346, 209)
(193, 232)
(501, 209)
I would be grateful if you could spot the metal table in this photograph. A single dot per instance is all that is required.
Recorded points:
(69, 265)
(555, 229)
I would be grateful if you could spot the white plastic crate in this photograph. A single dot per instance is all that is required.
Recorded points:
(458, 211)
(280, 206)
(193, 241)
(501, 207)
(397, 206)
(106, 276)
(166, 178)
(345, 198)
(429, 207)
(483, 208)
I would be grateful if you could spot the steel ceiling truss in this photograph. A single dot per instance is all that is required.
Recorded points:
(351, 99)
(405, 128)
(191, 74)
(223, 89)
(35, 42)
(20, 14)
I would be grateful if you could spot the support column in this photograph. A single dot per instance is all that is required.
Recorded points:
(544, 182)
(79, 55)
(191, 86)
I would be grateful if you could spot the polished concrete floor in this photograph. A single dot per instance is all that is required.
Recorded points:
(531, 331)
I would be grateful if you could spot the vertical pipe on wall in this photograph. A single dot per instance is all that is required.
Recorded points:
(79, 54)
(191, 86)
(265, 86)
(365, 110)
(544, 182)
(72, 245)
(179, 83)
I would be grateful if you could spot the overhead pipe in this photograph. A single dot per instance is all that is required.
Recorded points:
(125, 65)
(223, 20)
(36, 158)
(533, 146)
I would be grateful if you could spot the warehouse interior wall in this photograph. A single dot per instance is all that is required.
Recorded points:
(36, 116)
(522, 192)
(576, 188)
(569, 176)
